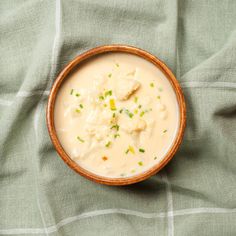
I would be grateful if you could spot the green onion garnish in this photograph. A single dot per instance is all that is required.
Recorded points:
(117, 127)
(164, 131)
(77, 110)
(141, 150)
(108, 144)
(80, 139)
(110, 75)
(155, 158)
(133, 171)
(129, 113)
(71, 92)
(108, 93)
(114, 115)
(136, 99)
(101, 97)
(158, 97)
(121, 110)
(81, 106)
(116, 135)
(139, 106)
(105, 105)
(136, 111)
(117, 65)
(140, 163)
(152, 85)
(126, 152)
(142, 114)
(77, 94)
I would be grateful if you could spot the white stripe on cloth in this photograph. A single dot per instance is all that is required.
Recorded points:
(203, 210)
(170, 215)
(54, 228)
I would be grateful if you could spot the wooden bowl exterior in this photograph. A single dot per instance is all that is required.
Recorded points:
(51, 103)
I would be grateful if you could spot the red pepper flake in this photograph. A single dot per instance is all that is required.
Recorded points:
(104, 158)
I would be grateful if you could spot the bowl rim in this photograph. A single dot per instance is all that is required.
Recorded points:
(106, 49)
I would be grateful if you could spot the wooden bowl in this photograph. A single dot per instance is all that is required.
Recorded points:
(50, 114)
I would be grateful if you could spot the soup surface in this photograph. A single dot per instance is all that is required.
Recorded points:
(116, 115)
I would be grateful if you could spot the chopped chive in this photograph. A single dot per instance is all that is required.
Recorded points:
(141, 150)
(105, 105)
(155, 158)
(71, 91)
(104, 158)
(129, 113)
(112, 104)
(126, 152)
(121, 110)
(133, 171)
(131, 149)
(136, 99)
(152, 85)
(136, 111)
(158, 97)
(114, 115)
(77, 94)
(81, 106)
(101, 97)
(80, 139)
(145, 111)
(109, 75)
(160, 89)
(77, 110)
(140, 163)
(108, 144)
(116, 135)
(142, 114)
(117, 65)
(139, 106)
(164, 131)
(117, 127)
(108, 93)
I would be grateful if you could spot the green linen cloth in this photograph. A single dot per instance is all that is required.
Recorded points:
(194, 195)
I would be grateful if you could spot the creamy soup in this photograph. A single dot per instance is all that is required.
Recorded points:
(116, 115)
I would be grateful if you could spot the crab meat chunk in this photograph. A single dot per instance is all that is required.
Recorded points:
(133, 126)
(139, 125)
(126, 87)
